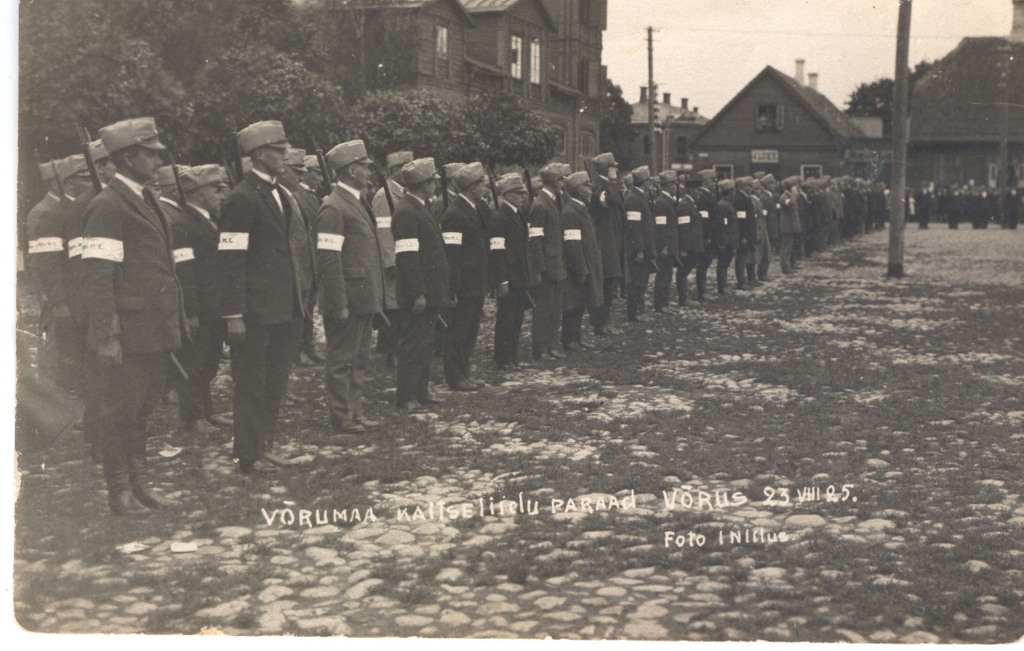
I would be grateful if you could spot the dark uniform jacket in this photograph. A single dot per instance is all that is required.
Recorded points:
(639, 225)
(666, 229)
(467, 245)
(195, 261)
(350, 270)
(128, 280)
(48, 249)
(789, 213)
(746, 221)
(263, 255)
(546, 250)
(509, 249)
(74, 226)
(706, 204)
(420, 256)
(725, 230)
(772, 211)
(606, 208)
(690, 226)
(585, 286)
(382, 211)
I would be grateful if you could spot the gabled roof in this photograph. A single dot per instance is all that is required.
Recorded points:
(499, 6)
(409, 4)
(666, 113)
(820, 107)
(962, 96)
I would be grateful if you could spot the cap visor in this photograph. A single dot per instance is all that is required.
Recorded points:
(155, 145)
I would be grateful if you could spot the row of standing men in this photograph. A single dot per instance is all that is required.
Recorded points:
(133, 280)
(955, 204)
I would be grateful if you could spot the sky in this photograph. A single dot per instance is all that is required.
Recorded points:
(707, 50)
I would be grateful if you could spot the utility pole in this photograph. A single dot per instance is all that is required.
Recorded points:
(650, 100)
(1003, 177)
(897, 197)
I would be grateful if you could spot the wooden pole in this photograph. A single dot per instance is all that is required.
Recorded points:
(650, 100)
(901, 92)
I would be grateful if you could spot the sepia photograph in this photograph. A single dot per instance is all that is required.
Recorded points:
(626, 320)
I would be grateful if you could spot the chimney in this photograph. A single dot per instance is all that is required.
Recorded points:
(812, 80)
(686, 103)
(667, 97)
(696, 110)
(643, 94)
(799, 72)
(1017, 34)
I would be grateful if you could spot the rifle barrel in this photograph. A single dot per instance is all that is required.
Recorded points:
(83, 136)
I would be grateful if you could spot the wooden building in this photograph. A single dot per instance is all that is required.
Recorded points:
(967, 106)
(781, 125)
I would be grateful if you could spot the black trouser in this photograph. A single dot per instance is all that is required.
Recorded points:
(508, 325)
(663, 280)
(200, 358)
(259, 367)
(766, 261)
(69, 354)
(126, 394)
(415, 352)
(547, 316)
(639, 278)
(387, 336)
(572, 326)
(599, 316)
(706, 259)
(460, 338)
(742, 267)
(725, 254)
(690, 262)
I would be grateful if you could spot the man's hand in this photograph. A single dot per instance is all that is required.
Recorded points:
(419, 304)
(192, 323)
(109, 350)
(61, 311)
(502, 290)
(340, 315)
(236, 330)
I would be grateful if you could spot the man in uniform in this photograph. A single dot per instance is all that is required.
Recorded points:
(196, 239)
(584, 286)
(167, 191)
(466, 243)
(548, 257)
(690, 233)
(351, 280)
(746, 230)
(706, 199)
(423, 282)
(510, 271)
(134, 309)
(606, 209)
(725, 230)
(263, 292)
(789, 224)
(387, 335)
(767, 226)
(309, 206)
(666, 238)
(639, 237)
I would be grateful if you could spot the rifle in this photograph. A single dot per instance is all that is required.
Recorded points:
(240, 169)
(529, 185)
(83, 136)
(383, 180)
(494, 188)
(444, 186)
(177, 179)
(230, 172)
(325, 171)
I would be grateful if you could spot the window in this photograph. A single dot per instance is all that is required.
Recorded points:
(441, 49)
(723, 171)
(769, 117)
(810, 171)
(584, 77)
(588, 144)
(516, 57)
(535, 61)
(647, 145)
(993, 175)
(682, 147)
(560, 140)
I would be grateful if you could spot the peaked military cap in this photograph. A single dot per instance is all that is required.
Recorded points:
(74, 165)
(468, 176)
(128, 133)
(398, 158)
(311, 162)
(97, 151)
(566, 169)
(759, 175)
(47, 171)
(418, 171)
(200, 176)
(705, 175)
(574, 181)
(726, 184)
(627, 178)
(353, 151)
(767, 178)
(510, 183)
(604, 161)
(791, 180)
(641, 174)
(552, 173)
(165, 176)
(451, 168)
(295, 157)
(269, 133)
(668, 176)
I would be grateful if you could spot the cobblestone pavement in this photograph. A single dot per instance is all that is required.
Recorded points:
(833, 457)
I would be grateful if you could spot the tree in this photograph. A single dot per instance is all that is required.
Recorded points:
(510, 133)
(617, 130)
(415, 120)
(875, 99)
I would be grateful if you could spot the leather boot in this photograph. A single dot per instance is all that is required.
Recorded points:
(142, 492)
(119, 493)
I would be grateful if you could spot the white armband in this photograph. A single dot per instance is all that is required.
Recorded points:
(684, 219)
(46, 245)
(329, 241)
(103, 248)
(742, 214)
(383, 222)
(633, 216)
(407, 246)
(184, 255)
(573, 235)
(75, 247)
(661, 220)
(497, 243)
(704, 214)
(536, 231)
(233, 242)
(453, 238)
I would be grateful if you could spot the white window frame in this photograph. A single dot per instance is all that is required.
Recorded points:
(805, 168)
(535, 58)
(516, 57)
(441, 48)
(724, 171)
